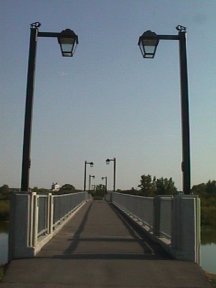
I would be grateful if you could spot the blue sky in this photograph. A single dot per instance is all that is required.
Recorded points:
(107, 101)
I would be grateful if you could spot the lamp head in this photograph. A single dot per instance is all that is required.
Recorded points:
(148, 43)
(68, 41)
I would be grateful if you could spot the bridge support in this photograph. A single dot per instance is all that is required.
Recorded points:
(19, 232)
(186, 238)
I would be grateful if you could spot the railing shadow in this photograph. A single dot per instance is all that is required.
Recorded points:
(76, 237)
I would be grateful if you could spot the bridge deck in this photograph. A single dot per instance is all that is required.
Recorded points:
(99, 248)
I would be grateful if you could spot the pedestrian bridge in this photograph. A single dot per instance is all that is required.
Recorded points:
(171, 222)
(71, 240)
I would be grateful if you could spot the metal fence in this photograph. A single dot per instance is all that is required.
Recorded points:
(49, 211)
(155, 213)
(172, 221)
(36, 218)
(140, 207)
(65, 204)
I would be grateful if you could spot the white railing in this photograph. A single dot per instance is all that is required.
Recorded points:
(35, 219)
(172, 221)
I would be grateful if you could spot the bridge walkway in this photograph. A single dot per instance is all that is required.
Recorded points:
(99, 248)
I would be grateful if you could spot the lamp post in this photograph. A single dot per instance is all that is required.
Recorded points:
(91, 165)
(148, 43)
(105, 178)
(90, 176)
(114, 171)
(68, 41)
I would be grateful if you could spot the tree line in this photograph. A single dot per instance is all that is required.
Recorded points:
(149, 186)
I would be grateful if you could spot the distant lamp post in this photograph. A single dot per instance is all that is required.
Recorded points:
(90, 176)
(91, 165)
(114, 171)
(148, 43)
(68, 41)
(105, 178)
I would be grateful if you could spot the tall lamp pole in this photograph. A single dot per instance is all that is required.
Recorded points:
(148, 43)
(91, 165)
(114, 171)
(68, 41)
(105, 178)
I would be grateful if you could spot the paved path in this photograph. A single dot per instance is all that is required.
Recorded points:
(98, 248)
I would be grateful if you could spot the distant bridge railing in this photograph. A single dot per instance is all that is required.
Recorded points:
(36, 218)
(172, 221)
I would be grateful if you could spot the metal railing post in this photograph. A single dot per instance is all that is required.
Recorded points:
(35, 220)
(156, 215)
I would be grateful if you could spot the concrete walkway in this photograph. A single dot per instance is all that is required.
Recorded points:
(98, 248)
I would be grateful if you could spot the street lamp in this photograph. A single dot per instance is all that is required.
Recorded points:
(90, 176)
(91, 165)
(148, 43)
(105, 178)
(114, 171)
(68, 41)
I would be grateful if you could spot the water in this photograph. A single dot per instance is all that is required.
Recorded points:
(208, 248)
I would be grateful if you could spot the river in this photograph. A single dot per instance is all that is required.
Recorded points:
(208, 248)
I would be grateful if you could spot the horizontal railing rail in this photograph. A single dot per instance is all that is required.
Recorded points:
(64, 204)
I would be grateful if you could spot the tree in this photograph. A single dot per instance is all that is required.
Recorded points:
(147, 185)
(150, 186)
(67, 188)
(99, 192)
(4, 192)
(199, 189)
(165, 186)
(211, 187)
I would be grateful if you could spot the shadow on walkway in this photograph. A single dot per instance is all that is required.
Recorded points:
(100, 231)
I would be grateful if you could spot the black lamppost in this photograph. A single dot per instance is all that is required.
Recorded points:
(90, 176)
(105, 178)
(114, 171)
(68, 41)
(148, 43)
(91, 165)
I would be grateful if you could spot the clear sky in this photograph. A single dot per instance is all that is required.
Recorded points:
(107, 101)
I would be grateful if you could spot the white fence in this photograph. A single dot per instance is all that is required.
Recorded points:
(35, 219)
(172, 221)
